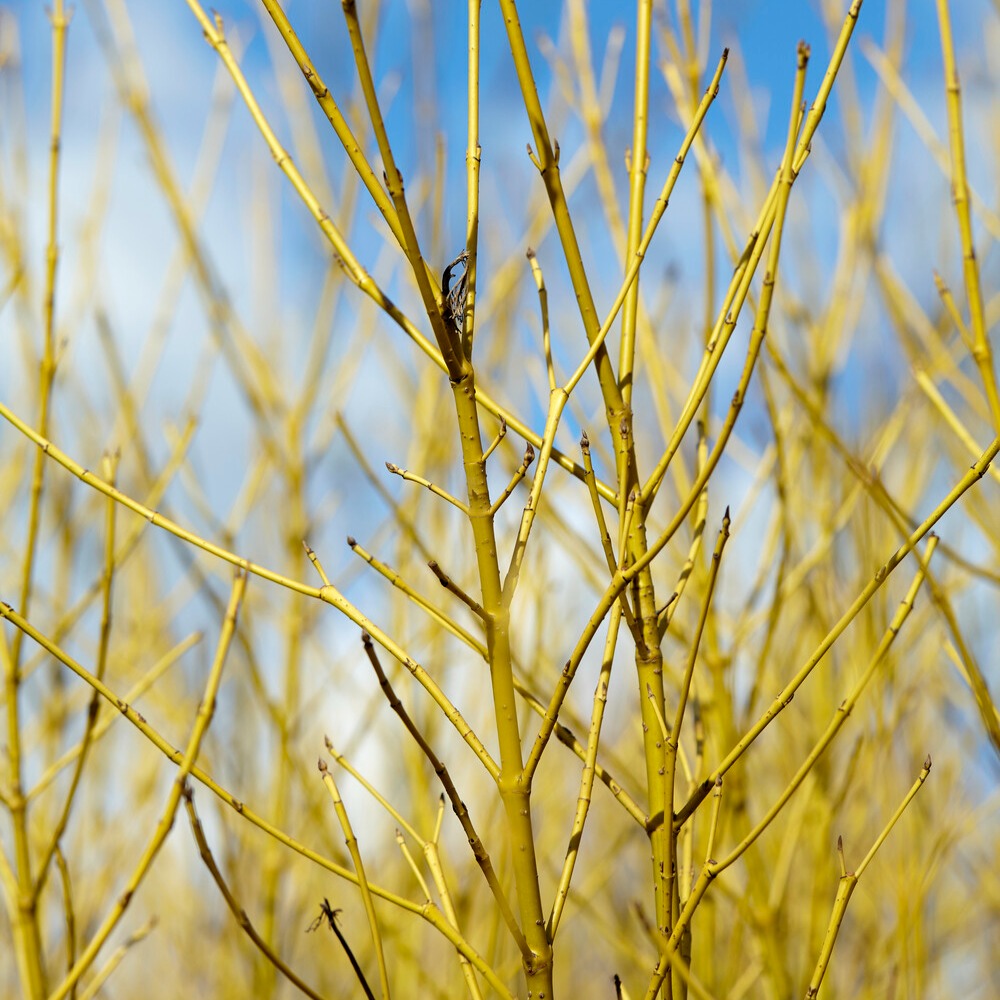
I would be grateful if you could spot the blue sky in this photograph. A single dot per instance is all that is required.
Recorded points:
(181, 68)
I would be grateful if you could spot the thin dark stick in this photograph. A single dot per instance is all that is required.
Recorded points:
(330, 915)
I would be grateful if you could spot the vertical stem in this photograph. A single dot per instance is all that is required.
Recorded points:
(450, 351)
(515, 790)
(673, 740)
(981, 350)
(649, 671)
(27, 935)
(548, 161)
(473, 157)
(637, 189)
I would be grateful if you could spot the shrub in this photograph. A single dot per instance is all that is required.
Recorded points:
(621, 478)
